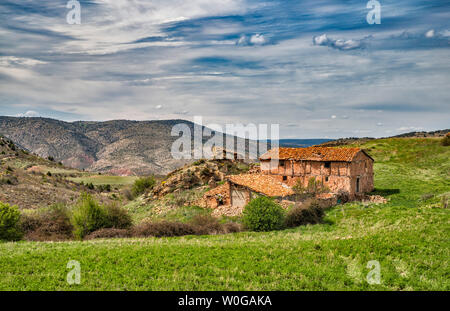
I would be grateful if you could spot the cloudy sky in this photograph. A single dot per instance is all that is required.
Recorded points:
(316, 67)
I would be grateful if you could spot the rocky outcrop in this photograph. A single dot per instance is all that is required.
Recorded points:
(202, 172)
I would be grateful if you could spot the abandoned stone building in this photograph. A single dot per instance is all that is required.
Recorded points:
(238, 190)
(340, 169)
(348, 170)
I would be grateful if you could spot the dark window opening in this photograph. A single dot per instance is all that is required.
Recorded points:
(281, 163)
(326, 178)
(284, 177)
(327, 164)
(357, 184)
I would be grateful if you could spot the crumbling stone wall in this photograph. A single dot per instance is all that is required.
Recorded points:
(339, 177)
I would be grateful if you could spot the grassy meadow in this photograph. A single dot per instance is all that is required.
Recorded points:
(409, 237)
(105, 180)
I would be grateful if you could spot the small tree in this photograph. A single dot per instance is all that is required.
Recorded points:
(88, 216)
(314, 188)
(142, 184)
(263, 214)
(9, 223)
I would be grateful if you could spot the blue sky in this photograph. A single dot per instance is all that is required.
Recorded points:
(315, 67)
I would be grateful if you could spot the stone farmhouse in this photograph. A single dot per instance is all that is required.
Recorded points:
(348, 170)
(340, 169)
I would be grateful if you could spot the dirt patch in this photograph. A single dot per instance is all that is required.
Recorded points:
(377, 199)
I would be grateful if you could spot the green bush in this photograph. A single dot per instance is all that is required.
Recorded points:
(88, 216)
(263, 214)
(9, 223)
(50, 224)
(446, 140)
(118, 217)
(309, 213)
(142, 184)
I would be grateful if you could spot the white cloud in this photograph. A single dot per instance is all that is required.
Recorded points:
(242, 40)
(410, 128)
(29, 114)
(339, 44)
(321, 40)
(430, 33)
(257, 39)
(333, 117)
(158, 107)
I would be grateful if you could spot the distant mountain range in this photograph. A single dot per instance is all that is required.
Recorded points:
(119, 147)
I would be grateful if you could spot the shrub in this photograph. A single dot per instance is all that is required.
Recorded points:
(198, 162)
(127, 193)
(263, 214)
(109, 233)
(206, 224)
(88, 216)
(308, 213)
(318, 208)
(446, 140)
(9, 223)
(163, 229)
(343, 196)
(104, 188)
(232, 227)
(142, 184)
(9, 180)
(50, 225)
(117, 217)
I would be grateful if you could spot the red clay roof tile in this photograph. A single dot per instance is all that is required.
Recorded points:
(313, 154)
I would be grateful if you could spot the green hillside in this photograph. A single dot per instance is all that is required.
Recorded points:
(408, 236)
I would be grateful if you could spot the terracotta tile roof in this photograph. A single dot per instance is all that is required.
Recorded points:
(222, 189)
(264, 184)
(313, 154)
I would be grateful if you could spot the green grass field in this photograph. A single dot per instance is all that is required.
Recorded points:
(409, 237)
(105, 180)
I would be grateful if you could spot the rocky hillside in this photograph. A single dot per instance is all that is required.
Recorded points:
(439, 133)
(199, 173)
(117, 147)
(362, 140)
(30, 181)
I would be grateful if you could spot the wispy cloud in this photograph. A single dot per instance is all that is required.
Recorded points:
(339, 44)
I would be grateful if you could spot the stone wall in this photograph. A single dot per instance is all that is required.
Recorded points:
(340, 176)
(240, 196)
